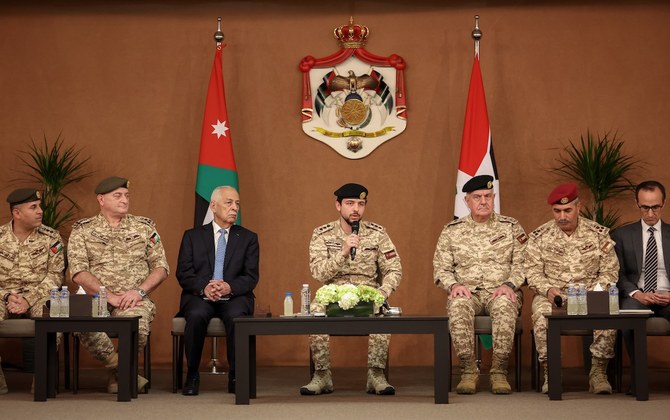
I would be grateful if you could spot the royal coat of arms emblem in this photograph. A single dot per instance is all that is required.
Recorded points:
(353, 100)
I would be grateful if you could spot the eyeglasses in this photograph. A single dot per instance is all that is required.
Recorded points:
(655, 209)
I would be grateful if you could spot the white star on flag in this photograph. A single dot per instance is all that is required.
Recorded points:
(219, 129)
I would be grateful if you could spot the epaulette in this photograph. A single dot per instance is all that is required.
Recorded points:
(541, 230)
(456, 222)
(325, 228)
(373, 226)
(594, 226)
(143, 220)
(81, 222)
(48, 231)
(507, 219)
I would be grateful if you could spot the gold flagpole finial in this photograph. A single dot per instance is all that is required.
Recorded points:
(476, 34)
(218, 35)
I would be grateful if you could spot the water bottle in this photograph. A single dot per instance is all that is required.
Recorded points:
(304, 300)
(64, 302)
(54, 303)
(581, 298)
(288, 304)
(102, 302)
(614, 299)
(95, 303)
(572, 299)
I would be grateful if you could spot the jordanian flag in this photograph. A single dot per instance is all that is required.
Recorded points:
(476, 146)
(216, 165)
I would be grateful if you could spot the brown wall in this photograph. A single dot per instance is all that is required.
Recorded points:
(127, 82)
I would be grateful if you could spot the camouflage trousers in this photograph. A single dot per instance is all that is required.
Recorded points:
(603, 340)
(503, 313)
(100, 345)
(378, 347)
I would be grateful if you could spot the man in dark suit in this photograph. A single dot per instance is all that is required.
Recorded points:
(643, 249)
(218, 270)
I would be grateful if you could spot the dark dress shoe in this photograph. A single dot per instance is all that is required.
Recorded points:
(231, 385)
(191, 386)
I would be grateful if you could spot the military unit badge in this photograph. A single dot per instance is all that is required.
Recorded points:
(353, 100)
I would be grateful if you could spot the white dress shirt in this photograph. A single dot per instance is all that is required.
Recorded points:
(662, 281)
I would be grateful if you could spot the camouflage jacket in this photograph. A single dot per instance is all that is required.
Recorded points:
(33, 267)
(377, 262)
(120, 258)
(480, 255)
(554, 259)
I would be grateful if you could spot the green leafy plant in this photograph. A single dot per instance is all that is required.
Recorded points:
(53, 168)
(600, 164)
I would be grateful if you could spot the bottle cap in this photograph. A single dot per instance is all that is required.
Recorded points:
(288, 294)
(305, 285)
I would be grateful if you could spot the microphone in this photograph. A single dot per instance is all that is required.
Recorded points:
(558, 300)
(354, 229)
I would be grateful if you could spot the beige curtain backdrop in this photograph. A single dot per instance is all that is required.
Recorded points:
(127, 80)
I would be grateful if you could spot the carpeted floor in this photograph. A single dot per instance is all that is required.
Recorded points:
(278, 398)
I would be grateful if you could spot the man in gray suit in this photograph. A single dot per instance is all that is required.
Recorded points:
(643, 249)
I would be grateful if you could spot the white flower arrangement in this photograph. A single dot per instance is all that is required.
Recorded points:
(348, 295)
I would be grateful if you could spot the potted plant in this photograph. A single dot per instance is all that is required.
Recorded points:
(53, 168)
(600, 164)
(349, 299)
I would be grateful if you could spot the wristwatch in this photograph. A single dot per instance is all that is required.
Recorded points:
(142, 293)
(510, 285)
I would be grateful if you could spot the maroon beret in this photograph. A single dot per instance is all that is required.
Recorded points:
(563, 194)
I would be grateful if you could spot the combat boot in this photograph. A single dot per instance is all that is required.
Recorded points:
(598, 376)
(321, 383)
(3, 383)
(498, 376)
(545, 385)
(377, 383)
(469, 376)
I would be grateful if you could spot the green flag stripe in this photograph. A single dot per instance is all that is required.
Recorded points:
(210, 177)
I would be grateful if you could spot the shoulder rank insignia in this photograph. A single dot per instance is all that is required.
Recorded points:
(324, 228)
(145, 220)
(373, 226)
(81, 222)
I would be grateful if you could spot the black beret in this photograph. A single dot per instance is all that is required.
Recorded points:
(479, 182)
(23, 195)
(352, 191)
(110, 184)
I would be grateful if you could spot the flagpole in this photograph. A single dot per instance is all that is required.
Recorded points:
(218, 35)
(476, 34)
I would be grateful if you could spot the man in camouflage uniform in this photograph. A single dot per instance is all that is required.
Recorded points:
(31, 260)
(570, 249)
(376, 264)
(479, 261)
(125, 254)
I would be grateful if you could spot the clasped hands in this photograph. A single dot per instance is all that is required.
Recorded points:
(124, 300)
(17, 304)
(216, 289)
(656, 298)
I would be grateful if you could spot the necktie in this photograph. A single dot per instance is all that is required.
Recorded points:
(650, 263)
(220, 255)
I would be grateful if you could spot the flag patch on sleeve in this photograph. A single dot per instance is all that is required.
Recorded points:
(55, 248)
(155, 238)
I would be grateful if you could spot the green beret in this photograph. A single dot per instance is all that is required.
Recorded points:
(352, 191)
(110, 184)
(23, 195)
(479, 182)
